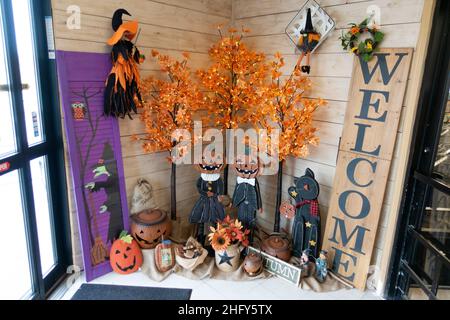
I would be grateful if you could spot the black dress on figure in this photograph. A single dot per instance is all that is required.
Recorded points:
(207, 209)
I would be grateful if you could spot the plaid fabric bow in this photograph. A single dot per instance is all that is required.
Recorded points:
(314, 206)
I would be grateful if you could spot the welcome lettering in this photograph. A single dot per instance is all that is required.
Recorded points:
(365, 153)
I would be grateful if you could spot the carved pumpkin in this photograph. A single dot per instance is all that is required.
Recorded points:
(287, 210)
(125, 256)
(246, 167)
(148, 226)
(211, 166)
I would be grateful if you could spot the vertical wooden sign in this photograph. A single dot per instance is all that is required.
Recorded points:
(365, 154)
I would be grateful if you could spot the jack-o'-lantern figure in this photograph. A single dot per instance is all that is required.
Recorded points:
(247, 195)
(246, 167)
(208, 208)
(125, 255)
(211, 165)
(149, 226)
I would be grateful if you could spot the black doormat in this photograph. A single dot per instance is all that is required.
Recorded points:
(109, 292)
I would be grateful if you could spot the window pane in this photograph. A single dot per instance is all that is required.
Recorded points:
(7, 139)
(436, 221)
(15, 279)
(43, 220)
(26, 52)
(442, 163)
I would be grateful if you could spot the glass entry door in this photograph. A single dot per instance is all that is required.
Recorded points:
(33, 209)
(421, 269)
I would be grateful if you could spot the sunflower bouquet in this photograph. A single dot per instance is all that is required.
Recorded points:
(228, 232)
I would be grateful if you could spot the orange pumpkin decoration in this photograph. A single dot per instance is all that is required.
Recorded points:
(125, 256)
(149, 226)
(287, 210)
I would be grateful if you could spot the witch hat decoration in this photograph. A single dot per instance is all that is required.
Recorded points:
(308, 26)
(308, 40)
(122, 94)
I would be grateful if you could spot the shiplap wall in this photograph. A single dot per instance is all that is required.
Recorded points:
(331, 77)
(170, 26)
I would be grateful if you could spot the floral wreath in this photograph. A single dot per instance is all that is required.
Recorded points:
(365, 49)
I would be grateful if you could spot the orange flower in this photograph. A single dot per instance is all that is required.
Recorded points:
(354, 30)
(220, 241)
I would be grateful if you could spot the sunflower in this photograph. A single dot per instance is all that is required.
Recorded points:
(220, 241)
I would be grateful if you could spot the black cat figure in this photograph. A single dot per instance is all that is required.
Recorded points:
(306, 226)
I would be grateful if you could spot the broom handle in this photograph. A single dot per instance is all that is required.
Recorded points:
(94, 213)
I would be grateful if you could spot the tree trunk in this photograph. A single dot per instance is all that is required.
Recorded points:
(173, 194)
(225, 180)
(276, 227)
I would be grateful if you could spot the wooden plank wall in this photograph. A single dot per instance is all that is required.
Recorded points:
(170, 26)
(331, 76)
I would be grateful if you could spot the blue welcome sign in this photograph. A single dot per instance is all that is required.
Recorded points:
(365, 154)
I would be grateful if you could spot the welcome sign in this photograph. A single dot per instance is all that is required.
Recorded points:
(365, 154)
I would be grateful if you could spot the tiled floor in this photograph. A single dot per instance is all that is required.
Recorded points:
(208, 289)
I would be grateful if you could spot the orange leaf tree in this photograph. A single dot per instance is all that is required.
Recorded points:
(169, 105)
(284, 107)
(234, 79)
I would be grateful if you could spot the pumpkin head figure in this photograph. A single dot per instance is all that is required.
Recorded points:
(125, 255)
(247, 167)
(212, 164)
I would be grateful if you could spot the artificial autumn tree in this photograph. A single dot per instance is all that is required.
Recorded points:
(169, 105)
(234, 79)
(284, 107)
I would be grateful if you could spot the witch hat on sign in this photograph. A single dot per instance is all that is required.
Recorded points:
(309, 39)
(122, 95)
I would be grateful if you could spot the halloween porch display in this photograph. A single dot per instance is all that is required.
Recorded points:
(253, 264)
(169, 105)
(277, 245)
(165, 256)
(362, 48)
(125, 255)
(307, 30)
(321, 266)
(106, 170)
(208, 208)
(247, 195)
(306, 225)
(228, 239)
(234, 78)
(149, 226)
(122, 92)
(190, 255)
(142, 197)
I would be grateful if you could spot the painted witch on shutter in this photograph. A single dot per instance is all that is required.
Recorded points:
(247, 195)
(306, 226)
(107, 167)
(122, 95)
(208, 208)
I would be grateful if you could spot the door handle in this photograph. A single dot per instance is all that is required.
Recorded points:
(7, 87)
